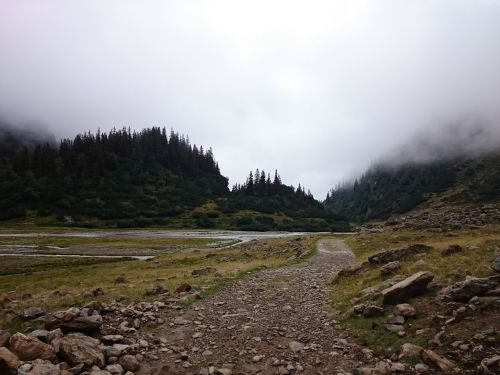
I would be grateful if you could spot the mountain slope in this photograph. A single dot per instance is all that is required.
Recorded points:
(383, 190)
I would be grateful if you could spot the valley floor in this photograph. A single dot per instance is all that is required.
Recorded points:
(274, 321)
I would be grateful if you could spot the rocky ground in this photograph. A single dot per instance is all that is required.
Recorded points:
(272, 322)
(275, 321)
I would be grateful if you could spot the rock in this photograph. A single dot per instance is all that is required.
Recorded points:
(394, 328)
(405, 310)
(204, 271)
(452, 249)
(395, 319)
(40, 334)
(77, 348)
(94, 292)
(351, 270)
(488, 363)
(435, 359)
(4, 338)
(296, 346)
(390, 267)
(115, 369)
(371, 311)
(158, 289)
(33, 312)
(29, 348)
(121, 280)
(495, 265)
(410, 350)
(398, 368)
(184, 287)
(89, 324)
(129, 363)
(112, 338)
(393, 255)
(421, 368)
(41, 367)
(8, 360)
(410, 287)
(463, 291)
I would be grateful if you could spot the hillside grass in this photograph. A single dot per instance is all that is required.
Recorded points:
(474, 260)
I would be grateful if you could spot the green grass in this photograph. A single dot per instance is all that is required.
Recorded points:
(446, 269)
(59, 285)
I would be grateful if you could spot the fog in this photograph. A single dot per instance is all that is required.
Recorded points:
(318, 89)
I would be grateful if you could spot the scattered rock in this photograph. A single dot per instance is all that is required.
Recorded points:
(296, 346)
(204, 271)
(41, 367)
(371, 311)
(410, 287)
(129, 363)
(410, 350)
(33, 312)
(185, 287)
(442, 363)
(390, 267)
(121, 280)
(4, 338)
(353, 269)
(77, 348)
(452, 249)
(495, 265)
(405, 310)
(487, 365)
(154, 290)
(88, 324)
(29, 348)
(393, 255)
(463, 291)
(8, 359)
(394, 328)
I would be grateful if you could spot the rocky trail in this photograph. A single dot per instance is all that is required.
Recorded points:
(272, 322)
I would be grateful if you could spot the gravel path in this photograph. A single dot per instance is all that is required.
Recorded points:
(272, 322)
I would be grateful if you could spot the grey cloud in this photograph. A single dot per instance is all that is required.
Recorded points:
(318, 90)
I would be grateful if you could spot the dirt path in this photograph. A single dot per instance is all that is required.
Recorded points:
(250, 326)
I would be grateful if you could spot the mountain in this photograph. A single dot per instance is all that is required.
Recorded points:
(385, 189)
(134, 179)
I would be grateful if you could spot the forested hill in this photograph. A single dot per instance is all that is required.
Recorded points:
(153, 177)
(385, 190)
(121, 174)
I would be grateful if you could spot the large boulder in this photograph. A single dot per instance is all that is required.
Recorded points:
(410, 287)
(8, 361)
(398, 254)
(30, 348)
(463, 291)
(76, 349)
(88, 324)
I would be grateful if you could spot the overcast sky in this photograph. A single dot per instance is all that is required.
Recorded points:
(316, 89)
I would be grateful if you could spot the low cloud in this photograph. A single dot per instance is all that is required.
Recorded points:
(318, 90)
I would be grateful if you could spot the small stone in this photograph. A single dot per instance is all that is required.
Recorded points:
(33, 313)
(129, 363)
(295, 346)
(405, 310)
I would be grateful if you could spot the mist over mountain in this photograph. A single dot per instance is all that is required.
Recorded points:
(14, 137)
(468, 137)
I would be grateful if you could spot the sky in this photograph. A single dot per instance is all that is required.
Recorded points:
(316, 89)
